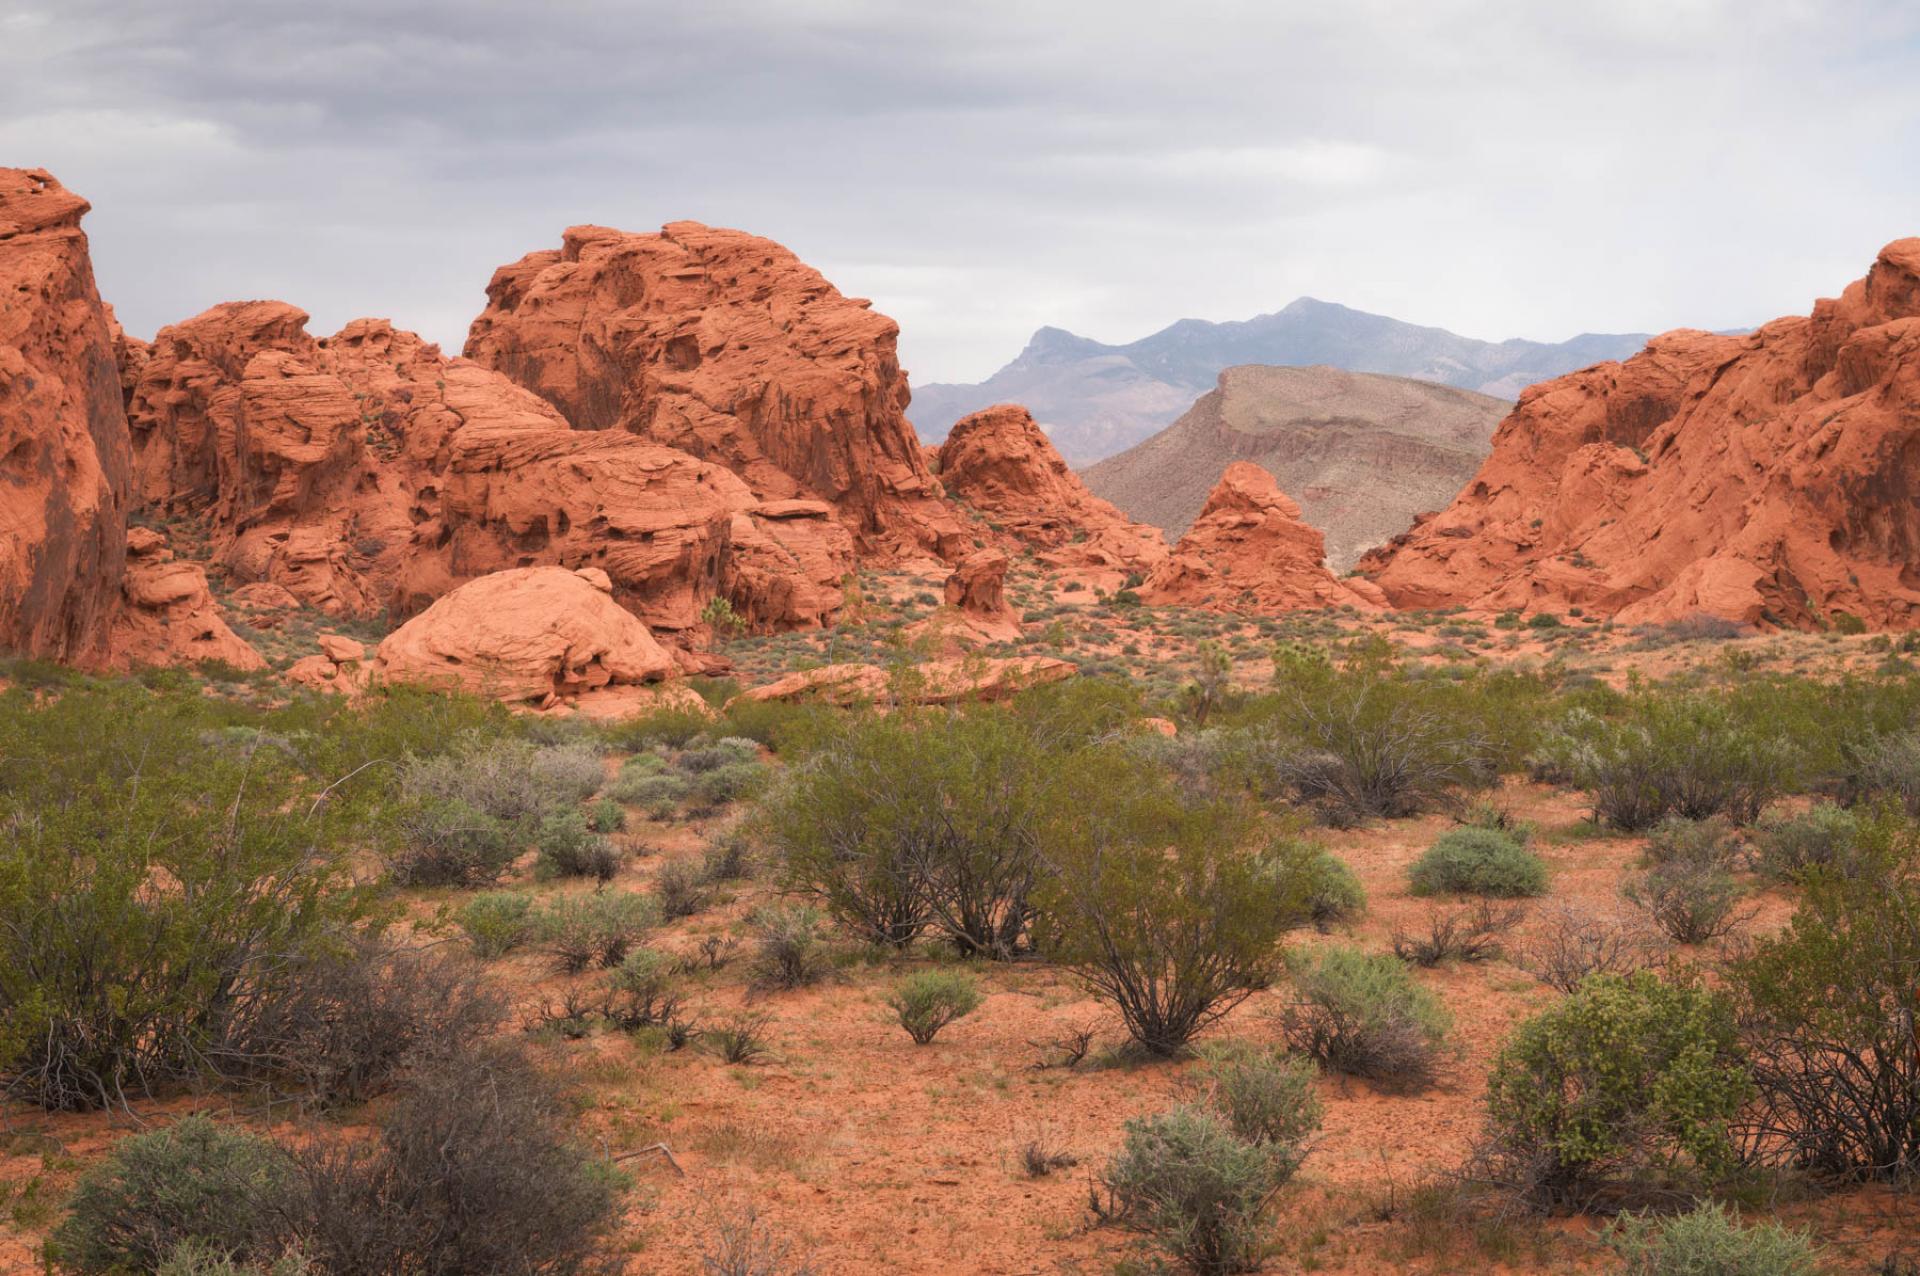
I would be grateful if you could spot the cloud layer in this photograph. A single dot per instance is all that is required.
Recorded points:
(1499, 167)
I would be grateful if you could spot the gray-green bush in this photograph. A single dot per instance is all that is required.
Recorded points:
(1478, 861)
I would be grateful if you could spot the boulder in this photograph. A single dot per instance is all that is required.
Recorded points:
(1766, 478)
(64, 465)
(168, 615)
(527, 634)
(1250, 551)
(932, 682)
(726, 346)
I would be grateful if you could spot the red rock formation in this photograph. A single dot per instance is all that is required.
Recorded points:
(727, 346)
(63, 435)
(977, 589)
(932, 682)
(168, 616)
(1002, 464)
(1767, 478)
(1249, 551)
(535, 633)
(367, 474)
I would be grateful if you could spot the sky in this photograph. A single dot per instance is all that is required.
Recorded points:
(979, 169)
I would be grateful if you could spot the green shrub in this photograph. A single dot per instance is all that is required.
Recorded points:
(496, 922)
(1376, 751)
(1830, 1004)
(570, 848)
(466, 814)
(671, 727)
(1196, 1190)
(193, 1259)
(1887, 768)
(1326, 890)
(1688, 755)
(445, 841)
(1268, 1099)
(193, 1182)
(1708, 843)
(1364, 1015)
(642, 992)
(606, 816)
(657, 793)
(928, 1001)
(567, 772)
(1628, 1075)
(682, 888)
(1709, 1241)
(585, 930)
(1478, 861)
(111, 985)
(1692, 901)
(1788, 848)
(788, 952)
(724, 785)
(727, 751)
(1153, 901)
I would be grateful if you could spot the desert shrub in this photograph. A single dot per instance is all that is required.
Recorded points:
(670, 727)
(570, 848)
(1363, 1015)
(1195, 1189)
(1629, 1075)
(1478, 861)
(568, 772)
(606, 816)
(1708, 843)
(914, 821)
(727, 858)
(718, 755)
(597, 929)
(1687, 755)
(474, 1170)
(928, 1001)
(682, 888)
(642, 991)
(1152, 901)
(787, 947)
(742, 1038)
(496, 922)
(194, 1259)
(1887, 768)
(111, 984)
(1571, 942)
(1709, 1241)
(1266, 1098)
(656, 792)
(1693, 902)
(350, 1018)
(1830, 1004)
(1787, 848)
(1370, 752)
(744, 1244)
(1316, 882)
(447, 842)
(1471, 933)
(191, 1183)
(722, 785)
(465, 815)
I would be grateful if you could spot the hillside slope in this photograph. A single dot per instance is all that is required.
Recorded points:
(1362, 454)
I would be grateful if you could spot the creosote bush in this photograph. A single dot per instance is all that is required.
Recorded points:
(496, 922)
(1326, 890)
(1364, 1015)
(1628, 1081)
(929, 1000)
(1478, 861)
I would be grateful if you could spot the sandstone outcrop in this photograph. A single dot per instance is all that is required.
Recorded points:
(1002, 464)
(1249, 551)
(168, 615)
(537, 634)
(63, 434)
(728, 347)
(1765, 478)
(366, 474)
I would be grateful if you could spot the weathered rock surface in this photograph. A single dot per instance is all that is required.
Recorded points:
(168, 615)
(933, 682)
(1250, 551)
(1767, 478)
(1361, 454)
(366, 474)
(1003, 465)
(63, 433)
(976, 611)
(527, 634)
(726, 346)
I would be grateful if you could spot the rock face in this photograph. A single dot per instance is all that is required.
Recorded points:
(1766, 479)
(1361, 453)
(977, 591)
(367, 475)
(1249, 551)
(532, 634)
(168, 616)
(63, 434)
(1002, 464)
(726, 346)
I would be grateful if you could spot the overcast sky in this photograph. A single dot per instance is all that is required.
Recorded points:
(979, 168)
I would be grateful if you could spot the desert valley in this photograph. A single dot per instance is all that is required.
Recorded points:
(649, 792)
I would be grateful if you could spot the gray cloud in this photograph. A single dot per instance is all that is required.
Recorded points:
(1501, 167)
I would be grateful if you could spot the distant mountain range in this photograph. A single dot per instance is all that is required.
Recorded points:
(1360, 453)
(1095, 399)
